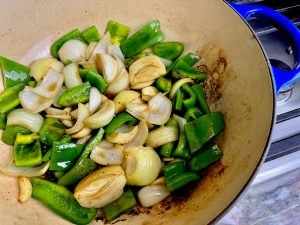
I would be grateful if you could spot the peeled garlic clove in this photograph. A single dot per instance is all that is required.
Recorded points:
(25, 189)
(122, 135)
(124, 97)
(73, 50)
(71, 75)
(141, 165)
(107, 66)
(39, 68)
(100, 187)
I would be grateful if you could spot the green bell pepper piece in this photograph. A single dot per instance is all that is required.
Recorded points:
(163, 84)
(32, 83)
(189, 58)
(124, 203)
(84, 165)
(182, 150)
(13, 73)
(204, 157)
(73, 34)
(179, 100)
(3, 121)
(166, 149)
(192, 114)
(95, 79)
(61, 201)
(184, 70)
(52, 130)
(9, 98)
(181, 179)
(200, 94)
(10, 133)
(119, 120)
(64, 140)
(191, 101)
(59, 174)
(63, 156)
(168, 50)
(203, 129)
(27, 150)
(173, 169)
(82, 168)
(91, 34)
(118, 32)
(147, 36)
(75, 95)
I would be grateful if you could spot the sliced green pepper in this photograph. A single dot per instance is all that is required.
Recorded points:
(166, 149)
(32, 83)
(62, 201)
(63, 156)
(52, 130)
(182, 150)
(189, 58)
(203, 129)
(179, 100)
(27, 150)
(184, 70)
(147, 36)
(3, 121)
(84, 165)
(91, 34)
(204, 157)
(10, 133)
(124, 203)
(73, 34)
(191, 101)
(168, 50)
(119, 120)
(200, 94)
(181, 179)
(163, 84)
(59, 174)
(13, 73)
(192, 114)
(9, 98)
(95, 79)
(173, 168)
(75, 95)
(118, 32)
(82, 168)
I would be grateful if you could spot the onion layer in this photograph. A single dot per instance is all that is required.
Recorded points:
(71, 74)
(123, 134)
(14, 171)
(153, 194)
(124, 97)
(39, 68)
(73, 50)
(141, 136)
(161, 136)
(83, 113)
(112, 155)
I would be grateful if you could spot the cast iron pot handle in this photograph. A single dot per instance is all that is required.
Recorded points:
(281, 78)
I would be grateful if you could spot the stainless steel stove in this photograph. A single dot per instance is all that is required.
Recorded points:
(278, 181)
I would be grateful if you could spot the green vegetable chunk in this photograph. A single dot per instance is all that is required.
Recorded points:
(118, 32)
(74, 34)
(92, 143)
(32, 83)
(200, 94)
(13, 73)
(204, 157)
(52, 130)
(192, 114)
(95, 79)
(203, 129)
(167, 149)
(147, 36)
(3, 121)
(63, 156)
(163, 84)
(27, 150)
(190, 58)
(119, 120)
(10, 133)
(181, 179)
(91, 34)
(9, 98)
(168, 50)
(184, 70)
(182, 150)
(191, 101)
(173, 168)
(179, 100)
(122, 204)
(75, 95)
(61, 201)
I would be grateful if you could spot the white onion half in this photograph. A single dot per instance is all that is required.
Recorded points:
(73, 50)
(153, 194)
(71, 74)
